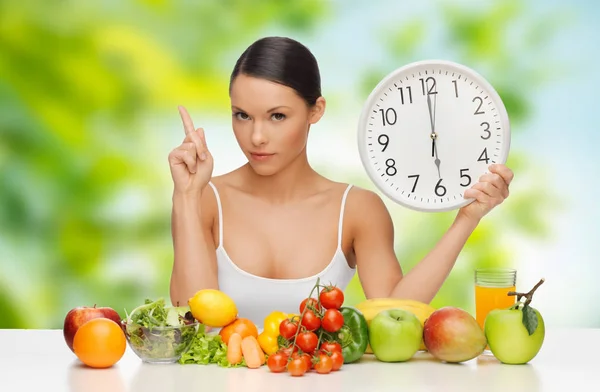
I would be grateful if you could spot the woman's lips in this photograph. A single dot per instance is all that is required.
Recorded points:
(260, 156)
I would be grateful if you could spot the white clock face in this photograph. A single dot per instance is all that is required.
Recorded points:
(428, 131)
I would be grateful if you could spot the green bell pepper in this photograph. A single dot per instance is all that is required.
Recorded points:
(354, 334)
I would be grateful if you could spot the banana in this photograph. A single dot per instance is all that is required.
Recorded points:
(371, 307)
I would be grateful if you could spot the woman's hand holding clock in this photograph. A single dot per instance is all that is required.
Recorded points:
(490, 191)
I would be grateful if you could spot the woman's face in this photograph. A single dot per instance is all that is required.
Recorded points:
(270, 122)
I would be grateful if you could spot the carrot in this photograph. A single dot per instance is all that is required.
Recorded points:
(234, 349)
(253, 354)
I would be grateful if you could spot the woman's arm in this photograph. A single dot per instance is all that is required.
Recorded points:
(378, 267)
(194, 265)
(426, 278)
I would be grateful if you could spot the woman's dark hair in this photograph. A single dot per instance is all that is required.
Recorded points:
(284, 61)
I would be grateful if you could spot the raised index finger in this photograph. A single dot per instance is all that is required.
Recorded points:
(188, 125)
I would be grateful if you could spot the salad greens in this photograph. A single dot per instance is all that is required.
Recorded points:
(207, 349)
(149, 328)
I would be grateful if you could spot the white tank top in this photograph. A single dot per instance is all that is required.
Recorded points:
(256, 296)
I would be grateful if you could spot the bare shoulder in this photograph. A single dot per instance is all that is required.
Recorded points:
(209, 203)
(363, 202)
(366, 210)
(220, 182)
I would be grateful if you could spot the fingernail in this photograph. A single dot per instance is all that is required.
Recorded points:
(203, 156)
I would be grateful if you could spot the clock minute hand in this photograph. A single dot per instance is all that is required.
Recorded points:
(433, 137)
(430, 114)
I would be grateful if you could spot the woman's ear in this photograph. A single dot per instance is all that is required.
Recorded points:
(317, 110)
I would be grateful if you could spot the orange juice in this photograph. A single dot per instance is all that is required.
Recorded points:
(488, 298)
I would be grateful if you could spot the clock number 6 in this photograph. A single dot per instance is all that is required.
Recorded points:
(440, 190)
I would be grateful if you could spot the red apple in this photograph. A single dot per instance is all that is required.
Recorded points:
(453, 335)
(81, 314)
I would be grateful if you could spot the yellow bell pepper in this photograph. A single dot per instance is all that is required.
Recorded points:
(268, 337)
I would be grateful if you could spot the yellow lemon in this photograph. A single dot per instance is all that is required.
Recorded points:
(213, 308)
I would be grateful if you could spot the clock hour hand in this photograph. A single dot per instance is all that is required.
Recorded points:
(437, 160)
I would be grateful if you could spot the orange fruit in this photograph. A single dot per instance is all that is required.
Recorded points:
(99, 343)
(241, 325)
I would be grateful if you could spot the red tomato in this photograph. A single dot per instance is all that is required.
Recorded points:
(333, 320)
(324, 364)
(331, 347)
(310, 320)
(337, 359)
(277, 362)
(307, 341)
(306, 358)
(313, 304)
(287, 329)
(288, 350)
(297, 367)
(331, 297)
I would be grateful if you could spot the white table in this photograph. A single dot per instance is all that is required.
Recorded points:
(39, 360)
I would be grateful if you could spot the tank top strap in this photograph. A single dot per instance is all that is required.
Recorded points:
(341, 220)
(220, 212)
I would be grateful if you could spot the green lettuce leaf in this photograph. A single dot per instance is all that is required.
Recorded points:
(207, 349)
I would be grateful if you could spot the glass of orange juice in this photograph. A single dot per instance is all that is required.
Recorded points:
(491, 288)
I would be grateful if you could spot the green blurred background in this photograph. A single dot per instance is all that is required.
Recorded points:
(88, 114)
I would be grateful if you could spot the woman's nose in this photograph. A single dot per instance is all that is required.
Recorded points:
(259, 136)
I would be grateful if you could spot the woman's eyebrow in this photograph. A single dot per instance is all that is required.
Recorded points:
(233, 107)
(277, 107)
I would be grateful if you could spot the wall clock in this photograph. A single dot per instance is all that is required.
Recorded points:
(428, 131)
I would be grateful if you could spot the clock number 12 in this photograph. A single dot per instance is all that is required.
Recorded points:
(430, 87)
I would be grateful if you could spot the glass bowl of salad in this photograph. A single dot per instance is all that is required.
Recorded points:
(160, 334)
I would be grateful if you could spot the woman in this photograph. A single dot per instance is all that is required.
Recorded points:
(266, 231)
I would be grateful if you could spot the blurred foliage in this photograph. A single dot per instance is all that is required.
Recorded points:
(84, 87)
(75, 91)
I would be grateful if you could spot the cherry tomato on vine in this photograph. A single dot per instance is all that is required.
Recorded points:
(331, 297)
(331, 346)
(337, 359)
(306, 358)
(287, 351)
(312, 304)
(288, 329)
(277, 362)
(307, 341)
(333, 320)
(311, 321)
(324, 364)
(297, 367)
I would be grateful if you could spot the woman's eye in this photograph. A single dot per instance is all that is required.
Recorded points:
(278, 116)
(241, 116)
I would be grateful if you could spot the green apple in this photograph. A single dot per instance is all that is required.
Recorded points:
(395, 335)
(509, 338)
